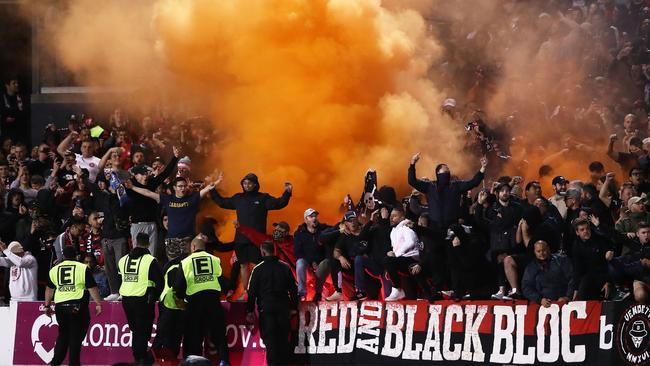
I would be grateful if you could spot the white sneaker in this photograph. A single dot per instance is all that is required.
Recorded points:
(113, 297)
(448, 293)
(498, 296)
(395, 295)
(334, 297)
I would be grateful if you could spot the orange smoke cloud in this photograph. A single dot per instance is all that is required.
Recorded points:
(313, 92)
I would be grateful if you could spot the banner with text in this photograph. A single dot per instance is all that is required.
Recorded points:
(108, 339)
(410, 332)
(473, 332)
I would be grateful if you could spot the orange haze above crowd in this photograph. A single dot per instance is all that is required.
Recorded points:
(315, 92)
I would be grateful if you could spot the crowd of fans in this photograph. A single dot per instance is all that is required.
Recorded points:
(96, 186)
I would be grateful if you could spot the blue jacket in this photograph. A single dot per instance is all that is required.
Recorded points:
(551, 280)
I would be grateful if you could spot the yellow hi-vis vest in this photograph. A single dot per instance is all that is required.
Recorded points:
(201, 271)
(69, 278)
(135, 275)
(167, 297)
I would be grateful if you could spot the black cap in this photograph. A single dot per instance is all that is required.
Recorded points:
(140, 169)
(559, 180)
(282, 224)
(69, 252)
(349, 216)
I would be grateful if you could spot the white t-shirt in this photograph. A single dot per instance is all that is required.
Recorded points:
(23, 278)
(92, 164)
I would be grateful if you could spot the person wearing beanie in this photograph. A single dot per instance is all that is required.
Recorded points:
(23, 271)
(184, 167)
(252, 207)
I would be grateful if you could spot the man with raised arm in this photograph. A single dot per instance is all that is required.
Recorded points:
(443, 195)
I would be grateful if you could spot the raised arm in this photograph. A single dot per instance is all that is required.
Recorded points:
(20, 262)
(476, 180)
(107, 156)
(142, 191)
(224, 202)
(414, 182)
(281, 202)
(610, 148)
(604, 195)
(67, 141)
(206, 190)
(160, 178)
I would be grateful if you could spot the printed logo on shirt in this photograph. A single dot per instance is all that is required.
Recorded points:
(131, 269)
(178, 204)
(66, 276)
(203, 269)
(632, 335)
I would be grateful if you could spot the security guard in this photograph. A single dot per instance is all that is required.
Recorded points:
(197, 282)
(273, 287)
(142, 283)
(171, 312)
(67, 284)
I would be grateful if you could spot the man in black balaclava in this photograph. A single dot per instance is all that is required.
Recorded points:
(443, 195)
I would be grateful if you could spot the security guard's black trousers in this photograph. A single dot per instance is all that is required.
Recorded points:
(73, 322)
(205, 318)
(274, 329)
(140, 316)
(169, 332)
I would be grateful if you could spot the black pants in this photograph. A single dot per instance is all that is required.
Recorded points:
(274, 329)
(205, 318)
(591, 285)
(395, 265)
(73, 325)
(140, 315)
(169, 332)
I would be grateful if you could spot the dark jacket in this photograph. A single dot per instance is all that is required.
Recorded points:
(307, 246)
(155, 273)
(443, 198)
(116, 218)
(379, 244)
(351, 245)
(142, 208)
(252, 207)
(272, 286)
(551, 280)
(589, 256)
(502, 222)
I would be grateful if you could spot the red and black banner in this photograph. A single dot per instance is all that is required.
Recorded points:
(472, 332)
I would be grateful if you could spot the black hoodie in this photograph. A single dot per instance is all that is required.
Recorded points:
(443, 196)
(252, 207)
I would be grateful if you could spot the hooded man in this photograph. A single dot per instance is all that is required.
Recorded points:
(252, 207)
(443, 195)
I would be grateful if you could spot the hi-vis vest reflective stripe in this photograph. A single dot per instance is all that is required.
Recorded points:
(201, 271)
(135, 275)
(167, 295)
(69, 278)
